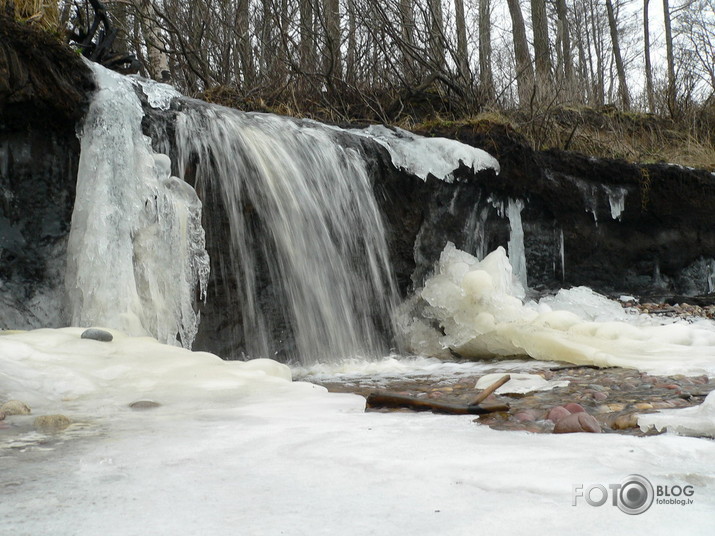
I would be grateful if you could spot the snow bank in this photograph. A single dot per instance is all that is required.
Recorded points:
(55, 370)
(422, 156)
(479, 307)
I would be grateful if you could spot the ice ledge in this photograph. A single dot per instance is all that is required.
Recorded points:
(422, 156)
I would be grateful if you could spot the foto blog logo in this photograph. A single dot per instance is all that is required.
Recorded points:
(633, 495)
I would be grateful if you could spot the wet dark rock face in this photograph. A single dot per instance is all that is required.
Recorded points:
(661, 244)
(44, 91)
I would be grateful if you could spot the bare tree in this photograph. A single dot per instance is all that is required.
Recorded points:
(486, 77)
(462, 53)
(564, 37)
(436, 34)
(650, 95)
(623, 87)
(670, 58)
(542, 50)
(524, 68)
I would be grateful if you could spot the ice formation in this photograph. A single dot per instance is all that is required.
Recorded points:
(422, 157)
(697, 421)
(136, 254)
(158, 95)
(478, 306)
(617, 200)
(304, 223)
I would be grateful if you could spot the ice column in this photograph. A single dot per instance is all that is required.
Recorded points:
(136, 258)
(517, 253)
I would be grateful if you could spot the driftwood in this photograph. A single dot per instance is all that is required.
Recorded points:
(385, 399)
(489, 390)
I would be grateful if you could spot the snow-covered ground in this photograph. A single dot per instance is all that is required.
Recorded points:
(236, 448)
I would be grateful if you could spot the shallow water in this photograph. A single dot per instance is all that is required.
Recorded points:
(614, 396)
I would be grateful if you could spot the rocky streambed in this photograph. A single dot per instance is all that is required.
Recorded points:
(613, 396)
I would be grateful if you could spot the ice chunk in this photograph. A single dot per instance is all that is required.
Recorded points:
(697, 421)
(519, 383)
(158, 95)
(481, 314)
(421, 156)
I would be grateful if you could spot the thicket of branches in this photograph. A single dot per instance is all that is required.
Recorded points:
(394, 59)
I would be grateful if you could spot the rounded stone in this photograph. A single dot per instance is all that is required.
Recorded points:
(577, 422)
(144, 404)
(623, 422)
(15, 407)
(51, 423)
(557, 413)
(573, 407)
(2, 416)
(97, 335)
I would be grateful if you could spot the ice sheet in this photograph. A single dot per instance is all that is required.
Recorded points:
(697, 421)
(519, 383)
(240, 451)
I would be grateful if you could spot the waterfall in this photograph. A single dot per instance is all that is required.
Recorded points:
(307, 242)
(135, 257)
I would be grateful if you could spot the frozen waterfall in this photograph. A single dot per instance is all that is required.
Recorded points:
(136, 259)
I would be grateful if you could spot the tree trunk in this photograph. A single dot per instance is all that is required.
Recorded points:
(243, 45)
(623, 87)
(650, 96)
(566, 58)
(486, 77)
(670, 58)
(158, 61)
(461, 28)
(598, 76)
(542, 50)
(333, 66)
(524, 68)
(436, 26)
(407, 34)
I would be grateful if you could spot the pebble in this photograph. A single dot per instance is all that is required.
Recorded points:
(15, 407)
(2, 416)
(97, 335)
(577, 422)
(144, 404)
(51, 423)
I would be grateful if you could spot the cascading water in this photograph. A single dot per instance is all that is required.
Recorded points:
(136, 257)
(307, 241)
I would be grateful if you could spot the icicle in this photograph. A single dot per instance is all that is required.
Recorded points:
(617, 200)
(517, 253)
